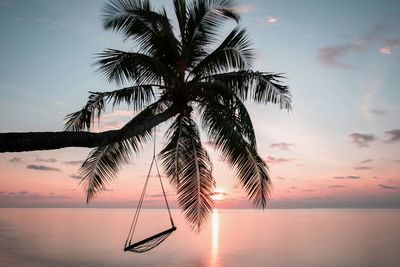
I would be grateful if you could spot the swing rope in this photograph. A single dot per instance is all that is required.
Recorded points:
(152, 241)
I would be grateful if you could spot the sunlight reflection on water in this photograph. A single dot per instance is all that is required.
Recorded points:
(214, 239)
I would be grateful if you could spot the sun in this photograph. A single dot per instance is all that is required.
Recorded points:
(218, 195)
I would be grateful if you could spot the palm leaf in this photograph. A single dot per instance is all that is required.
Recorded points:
(121, 66)
(218, 93)
(224, 129)
(151, 30)
(205, 18)
(83, 119)
(262, 87)
(104, 162)
(138, 97)
(234, 53)
(189, 167)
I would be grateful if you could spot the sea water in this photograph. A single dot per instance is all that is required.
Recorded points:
(298, 237)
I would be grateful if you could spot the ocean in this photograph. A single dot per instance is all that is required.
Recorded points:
(275, 238)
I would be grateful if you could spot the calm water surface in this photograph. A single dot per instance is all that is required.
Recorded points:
(301, 238)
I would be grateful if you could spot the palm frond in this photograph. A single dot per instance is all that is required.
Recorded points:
(224, 129)
(234, 53)
(138, 97)
(171, 155)
(189, 168)
(121, 66)
(216, 94)
(151, 30)
(262, 87)
(103, 164)
(181, 16)
(83, 119)
(205, 18)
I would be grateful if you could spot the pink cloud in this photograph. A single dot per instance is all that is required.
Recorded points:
(269, 20)
(366, 161)
(274, 160)
(349, 177)
(362, 168)
(41, 168)
(390, 46)
(385, 50)
(243, 8)
(114, 120)
(282, 145)
(388, 187)
(272, 20)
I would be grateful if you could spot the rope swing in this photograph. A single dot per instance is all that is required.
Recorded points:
(154, 240)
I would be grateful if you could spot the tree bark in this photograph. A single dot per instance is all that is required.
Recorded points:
(30, 141)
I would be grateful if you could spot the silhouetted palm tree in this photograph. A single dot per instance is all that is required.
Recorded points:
(174, 73)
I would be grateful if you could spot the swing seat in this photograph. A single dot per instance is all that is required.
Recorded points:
(150, 242)
(154, 240)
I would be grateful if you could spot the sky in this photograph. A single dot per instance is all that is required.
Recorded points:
(339, 147)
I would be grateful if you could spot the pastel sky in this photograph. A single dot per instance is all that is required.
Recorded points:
(338, 148)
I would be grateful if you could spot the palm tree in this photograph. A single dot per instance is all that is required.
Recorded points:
(176, 74)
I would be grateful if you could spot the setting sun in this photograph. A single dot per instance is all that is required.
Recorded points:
(219, 194)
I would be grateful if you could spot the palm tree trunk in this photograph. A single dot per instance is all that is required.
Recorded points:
(30, 141)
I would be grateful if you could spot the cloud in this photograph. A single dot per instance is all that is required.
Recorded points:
(73, 162)
(335, 55)
(362, 168)
(41, 168)
(390, 46)
(336, 186)
(377, 111)
(271, 20)
(114, 120)
(274, 160)
(282, 145)
(394, 135)
(362, 140)
(29, 195)
(59, 103)
(281, 178)
(161, 195)
(349, 177)
(15, 160)
(388, 187)
(366, 161)
(332, 55)
(385, 50)
(308, 190)
(107, 189)
(243, 8)
(74, 176)
(50, 160)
